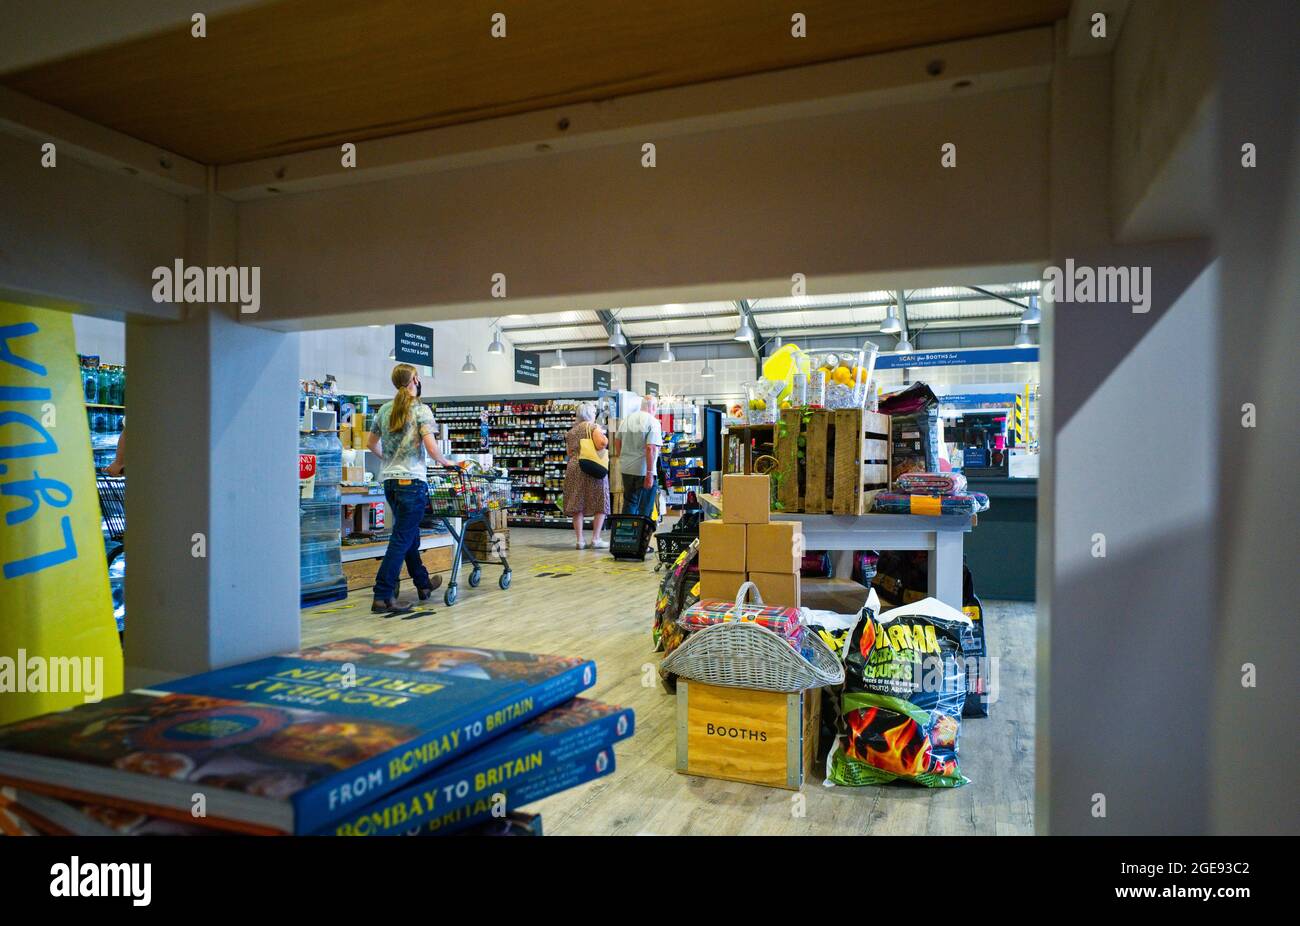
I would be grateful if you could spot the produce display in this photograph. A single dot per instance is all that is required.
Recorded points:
(830, 378)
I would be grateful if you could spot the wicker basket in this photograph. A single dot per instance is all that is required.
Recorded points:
(745, 655)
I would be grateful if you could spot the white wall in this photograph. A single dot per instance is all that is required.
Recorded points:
(358, 358)
(593, 228)
(683, 378)
(101, 337)
(80, 238)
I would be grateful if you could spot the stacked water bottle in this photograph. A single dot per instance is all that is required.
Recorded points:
(320, 566)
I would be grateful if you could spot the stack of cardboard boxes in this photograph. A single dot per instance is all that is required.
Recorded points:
(746, 545)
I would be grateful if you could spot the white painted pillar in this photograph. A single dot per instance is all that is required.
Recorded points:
(1125, 638)
(211, 469)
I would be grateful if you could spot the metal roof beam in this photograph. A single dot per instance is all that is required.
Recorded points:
(984, 292)
(756, 343)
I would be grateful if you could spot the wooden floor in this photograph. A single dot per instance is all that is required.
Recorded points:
(583, 603)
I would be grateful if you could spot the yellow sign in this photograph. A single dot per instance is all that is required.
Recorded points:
(58, 640)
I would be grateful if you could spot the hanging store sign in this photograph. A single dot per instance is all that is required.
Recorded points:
(957, 358)
(528, 367)
(600, 380)
(413, 344)
(651, 388)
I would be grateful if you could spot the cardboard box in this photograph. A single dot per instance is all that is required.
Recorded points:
(722, 546)
(740, 734)
(779, 588)
(773, 547)
(746, 499)
(722, 585)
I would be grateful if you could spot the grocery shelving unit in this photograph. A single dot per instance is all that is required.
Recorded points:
(526, 436)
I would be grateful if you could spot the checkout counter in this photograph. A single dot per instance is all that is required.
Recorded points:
(1003, 552)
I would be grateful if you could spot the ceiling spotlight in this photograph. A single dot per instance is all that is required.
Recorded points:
(1023, 339)
(744, 332)
(891, 324)
(1032, 315)
(904, 346)
(616, 339)
(469, 365)
(558, 363)
(666, 355)
(496, 347)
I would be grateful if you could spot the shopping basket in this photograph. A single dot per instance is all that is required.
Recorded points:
(743, 654)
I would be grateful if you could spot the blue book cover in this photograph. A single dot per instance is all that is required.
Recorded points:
(531, 751)
(288, 743)
(577, 771)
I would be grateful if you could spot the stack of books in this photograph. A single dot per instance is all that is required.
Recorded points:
(353, 738)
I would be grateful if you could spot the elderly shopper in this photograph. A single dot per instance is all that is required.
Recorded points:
(585, 496)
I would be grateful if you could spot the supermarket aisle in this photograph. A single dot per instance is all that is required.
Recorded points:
(586, 604)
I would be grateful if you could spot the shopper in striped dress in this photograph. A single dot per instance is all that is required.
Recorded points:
(585, 496)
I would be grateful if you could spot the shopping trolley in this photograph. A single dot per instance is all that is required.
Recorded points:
(112, 514)
(469, 496)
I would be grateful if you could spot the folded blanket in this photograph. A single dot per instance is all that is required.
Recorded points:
(898, 503)
(931, 484)
(781, 620)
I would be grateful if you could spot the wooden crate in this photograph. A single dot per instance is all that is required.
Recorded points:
(744, 444)
(831, 462)
(360, 573)
(485, 550)
(739, 734)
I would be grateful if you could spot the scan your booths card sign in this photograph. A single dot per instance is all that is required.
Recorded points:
(600, 380)
(528, 367)
(957, 358)
(413, 344)
(58, 630)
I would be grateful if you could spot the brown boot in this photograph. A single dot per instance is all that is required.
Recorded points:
(389, 607)
(425, 593)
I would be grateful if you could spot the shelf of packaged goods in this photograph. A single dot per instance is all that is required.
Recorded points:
(353, 552)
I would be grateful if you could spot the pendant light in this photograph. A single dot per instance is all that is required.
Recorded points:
(706, 372)
(744, 332)
(469, 365)
(1032, 315)
(392, 354)
(1023, 339)
(666, 355)
(616, 337)
(891, 323)
(904, 346)
(496, 347)
(558, 363)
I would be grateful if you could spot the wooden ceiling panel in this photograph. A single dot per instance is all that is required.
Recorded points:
(299, 74)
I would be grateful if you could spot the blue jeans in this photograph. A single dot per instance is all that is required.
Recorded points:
(407, 500)
(637, 499)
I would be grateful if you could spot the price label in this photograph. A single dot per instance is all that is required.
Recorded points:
(306, 475)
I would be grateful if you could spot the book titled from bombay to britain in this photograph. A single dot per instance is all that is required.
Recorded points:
(287, 744)
(497, 773)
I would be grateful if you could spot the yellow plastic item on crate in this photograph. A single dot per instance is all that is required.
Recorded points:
(782, 365)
